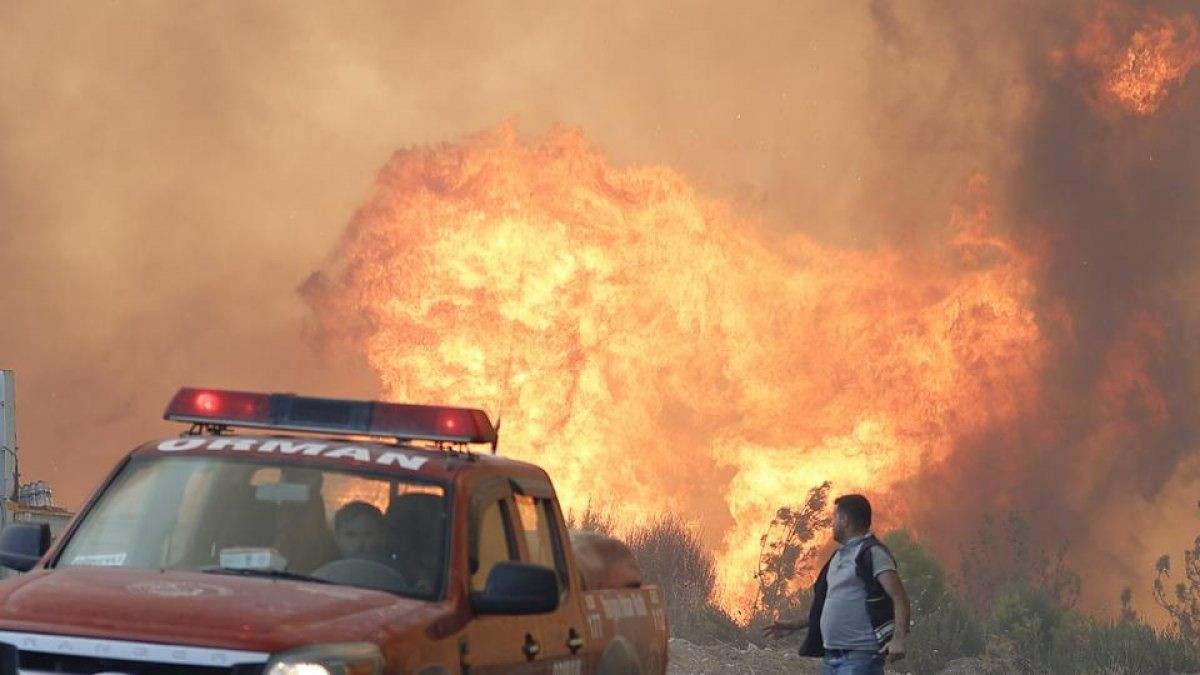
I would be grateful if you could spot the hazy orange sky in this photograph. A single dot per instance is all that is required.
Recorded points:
(171, 173)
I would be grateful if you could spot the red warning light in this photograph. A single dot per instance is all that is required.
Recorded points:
(207, 402)
(222, 407)
(218, 406)
(459, 425)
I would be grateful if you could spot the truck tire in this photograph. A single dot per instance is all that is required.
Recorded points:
(618, 659)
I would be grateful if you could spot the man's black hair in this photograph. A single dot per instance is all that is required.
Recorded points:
(354, 511)
(856, 508)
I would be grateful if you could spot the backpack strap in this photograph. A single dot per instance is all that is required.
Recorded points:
(864, 563)
(880, 607)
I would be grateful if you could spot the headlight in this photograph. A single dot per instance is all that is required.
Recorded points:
(356, 658)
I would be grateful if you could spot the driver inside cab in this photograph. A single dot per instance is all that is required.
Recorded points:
(358, 531)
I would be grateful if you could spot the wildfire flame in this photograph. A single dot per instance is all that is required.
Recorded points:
(1140, 73)
(654, 352)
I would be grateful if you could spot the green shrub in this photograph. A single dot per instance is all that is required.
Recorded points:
(1029, 618)
(1030, 628)
(1084, 645)
(942, 635)
(1182, 601)
(1003, 557)
(924, 577)
(944, 628)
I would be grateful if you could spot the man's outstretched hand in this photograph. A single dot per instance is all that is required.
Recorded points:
(781, 629)
(895, 649)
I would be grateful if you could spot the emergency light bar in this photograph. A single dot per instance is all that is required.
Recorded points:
(404, 421)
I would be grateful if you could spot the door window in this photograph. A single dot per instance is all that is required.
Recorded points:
(494, 541)
(540, 535)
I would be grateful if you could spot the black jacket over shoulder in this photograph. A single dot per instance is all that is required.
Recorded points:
(880, 608)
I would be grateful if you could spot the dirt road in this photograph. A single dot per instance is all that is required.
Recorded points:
(693, 659)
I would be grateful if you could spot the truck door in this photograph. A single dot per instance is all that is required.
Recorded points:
(494, 643)
(542, 538)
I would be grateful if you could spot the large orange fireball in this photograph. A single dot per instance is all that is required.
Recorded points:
(657, 353)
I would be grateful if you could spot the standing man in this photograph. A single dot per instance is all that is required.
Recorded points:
(860, 611)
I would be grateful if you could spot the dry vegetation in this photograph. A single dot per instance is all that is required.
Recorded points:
(1017, 615)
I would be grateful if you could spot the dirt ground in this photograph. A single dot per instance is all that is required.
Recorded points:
(689, 659)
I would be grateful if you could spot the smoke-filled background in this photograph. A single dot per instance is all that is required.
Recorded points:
(939, 255)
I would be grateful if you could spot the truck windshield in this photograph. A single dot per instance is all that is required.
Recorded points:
(240, 516)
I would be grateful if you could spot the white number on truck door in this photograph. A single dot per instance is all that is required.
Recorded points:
(595, 625)
(571, 667)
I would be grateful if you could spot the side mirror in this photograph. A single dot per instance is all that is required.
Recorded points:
(518, 588)
(22, 545)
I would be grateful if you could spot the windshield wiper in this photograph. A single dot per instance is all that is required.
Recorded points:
(263, 572)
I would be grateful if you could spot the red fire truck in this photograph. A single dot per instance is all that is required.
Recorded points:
(336, 538)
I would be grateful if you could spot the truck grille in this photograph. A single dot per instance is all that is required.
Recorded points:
(41, 654)
(33, 663)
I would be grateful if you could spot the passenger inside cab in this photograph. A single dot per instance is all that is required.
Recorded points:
(416, 525)
(301, 535)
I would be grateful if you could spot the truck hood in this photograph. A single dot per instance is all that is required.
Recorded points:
(204, 609)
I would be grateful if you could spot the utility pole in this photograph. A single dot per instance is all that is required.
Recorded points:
(8, 441)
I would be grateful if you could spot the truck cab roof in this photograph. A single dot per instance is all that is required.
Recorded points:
(431, 463)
